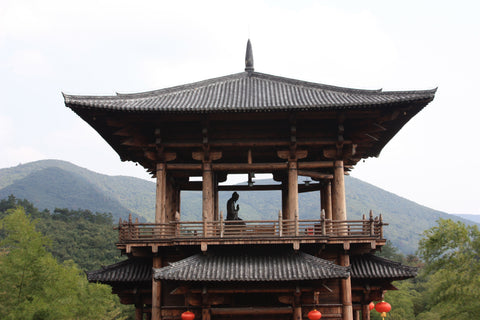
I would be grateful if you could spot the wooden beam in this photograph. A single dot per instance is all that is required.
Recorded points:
(184, 166)
(315, 175)
(238, 311)
(315, 165)
(197, 186)
(245, 167)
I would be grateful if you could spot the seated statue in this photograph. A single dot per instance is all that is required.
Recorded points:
(233, 207)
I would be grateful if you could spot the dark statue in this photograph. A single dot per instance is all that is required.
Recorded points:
(233, 207)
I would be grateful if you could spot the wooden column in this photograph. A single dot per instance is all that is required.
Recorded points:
(328, 200)
(365, 312)
(339, 205)
(216, 216)
(138, 311)
(356, 314)
(208, 206)
(297, 305)
(156, 291)
(292, 202)
(170, 200)
(346, 290)
(284, 200)
(161, 193)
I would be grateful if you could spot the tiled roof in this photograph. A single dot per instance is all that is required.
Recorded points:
(274, 267)
(371, 267)
(127, 271)
(247, 91)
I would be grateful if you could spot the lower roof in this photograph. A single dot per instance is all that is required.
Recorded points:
(291, 266)
(252, 268)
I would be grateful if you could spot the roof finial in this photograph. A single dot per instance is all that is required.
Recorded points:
(249, 58)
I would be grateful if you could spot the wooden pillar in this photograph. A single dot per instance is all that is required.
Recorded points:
(284, 200)
(156, 291)
(339, 205)
(138, 311)
(297, 313)
(365, 312)
(292, 209)
(215, 198)
(328, 200)
(297, 305)
(207, 194)
(179, 200)
(170, 200)
(346, 290)
(356, 314)
(160, 199)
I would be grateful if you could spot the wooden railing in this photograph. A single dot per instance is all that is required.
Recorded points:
(177, 230)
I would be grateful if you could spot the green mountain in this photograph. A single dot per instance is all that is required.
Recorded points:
(51, 184)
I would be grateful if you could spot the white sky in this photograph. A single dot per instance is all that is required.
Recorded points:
(102, 47)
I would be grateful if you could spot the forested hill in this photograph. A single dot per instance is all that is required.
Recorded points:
(51, 184)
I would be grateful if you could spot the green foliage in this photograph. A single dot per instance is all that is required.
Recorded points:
(33, 285)
(451, 274)
(82, 236)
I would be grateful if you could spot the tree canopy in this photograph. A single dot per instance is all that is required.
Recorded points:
(33, 285)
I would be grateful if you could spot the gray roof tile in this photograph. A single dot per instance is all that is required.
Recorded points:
(127, 271)
(273, 267)
(247, 91)
(371, 267)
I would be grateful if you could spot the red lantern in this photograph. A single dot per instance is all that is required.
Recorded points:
(314, 315)
(371, 306)
(187, 315)
(383, 307)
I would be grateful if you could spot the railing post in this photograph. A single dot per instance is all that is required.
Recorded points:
(280, 224)
(221, 224)
(381, 226)
(372, 225)
(322, 221)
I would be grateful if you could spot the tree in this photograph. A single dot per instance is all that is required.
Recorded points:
(33, 285)
(452, 282)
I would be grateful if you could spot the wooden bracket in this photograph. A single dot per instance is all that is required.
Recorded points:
(287, 155)
(206, 156)
(160, 156)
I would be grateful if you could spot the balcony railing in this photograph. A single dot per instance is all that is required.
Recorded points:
(224, 229)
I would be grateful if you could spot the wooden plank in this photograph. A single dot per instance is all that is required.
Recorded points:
(315, 164)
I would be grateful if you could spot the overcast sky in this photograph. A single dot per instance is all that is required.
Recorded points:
(94, 47)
